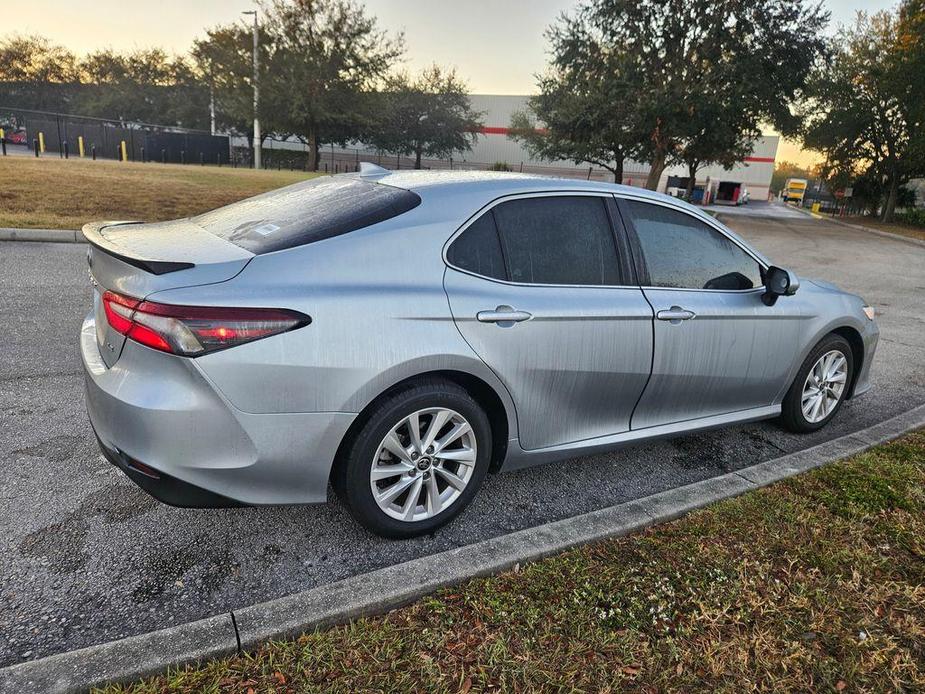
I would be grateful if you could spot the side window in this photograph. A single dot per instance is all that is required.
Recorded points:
(478, 250)
(682, 252)
(558, 240)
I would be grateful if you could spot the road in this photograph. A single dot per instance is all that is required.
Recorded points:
(86, 557)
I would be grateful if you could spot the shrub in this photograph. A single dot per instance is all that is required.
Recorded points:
(500, 166)
(913, 217)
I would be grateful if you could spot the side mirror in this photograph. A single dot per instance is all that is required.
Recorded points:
(778, 282)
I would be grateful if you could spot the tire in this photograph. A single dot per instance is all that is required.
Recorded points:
(793, 418)
(432, 401)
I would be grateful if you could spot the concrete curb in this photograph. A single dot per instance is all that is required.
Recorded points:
(46, 235)
(379, 591)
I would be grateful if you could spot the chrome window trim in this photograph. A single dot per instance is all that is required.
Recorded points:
(711, 223)
(604, 195)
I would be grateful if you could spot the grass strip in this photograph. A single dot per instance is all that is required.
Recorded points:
(816, 583)
(66, 194)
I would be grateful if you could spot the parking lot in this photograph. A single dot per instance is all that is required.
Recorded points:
(90, 558)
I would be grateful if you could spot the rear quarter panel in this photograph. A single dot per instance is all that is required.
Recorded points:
(379, 315)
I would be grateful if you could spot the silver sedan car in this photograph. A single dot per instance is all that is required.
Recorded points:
(399, 335)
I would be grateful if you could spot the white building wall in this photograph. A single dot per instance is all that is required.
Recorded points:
(493, 145)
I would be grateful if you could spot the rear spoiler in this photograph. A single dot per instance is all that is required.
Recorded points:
(92, 232)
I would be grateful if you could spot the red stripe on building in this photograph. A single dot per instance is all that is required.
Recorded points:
(497, 130)
(492, 130)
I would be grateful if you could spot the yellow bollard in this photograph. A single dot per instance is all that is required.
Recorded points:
(816, 207)
(42, 143)
(124, 152)
(80, 144)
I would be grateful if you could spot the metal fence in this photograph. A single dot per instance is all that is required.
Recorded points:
(63, 134)
(103, 138)
(291, 154)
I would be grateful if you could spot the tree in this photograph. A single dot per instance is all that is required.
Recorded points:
(427, 115)
(645, 64)
(866, 114)
(581, 113)
(144, 85)
(329, 55)
(319, 59)
(717, 131)
(35, 73)
(224, 59)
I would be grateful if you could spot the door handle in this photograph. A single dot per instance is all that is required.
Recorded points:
(503, 314)
(675, 314)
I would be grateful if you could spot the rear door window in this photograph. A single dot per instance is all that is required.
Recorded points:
(306, 212)
(478, 249)
(558, 240)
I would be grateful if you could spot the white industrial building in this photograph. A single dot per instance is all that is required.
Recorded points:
(494, 145)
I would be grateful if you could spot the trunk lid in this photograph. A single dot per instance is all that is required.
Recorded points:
(137, 259)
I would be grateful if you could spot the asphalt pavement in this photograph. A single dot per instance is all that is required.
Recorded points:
(86, 557)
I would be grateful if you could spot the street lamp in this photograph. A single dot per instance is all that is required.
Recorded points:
(257, 138)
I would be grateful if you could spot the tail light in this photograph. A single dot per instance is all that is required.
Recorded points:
(194, 330)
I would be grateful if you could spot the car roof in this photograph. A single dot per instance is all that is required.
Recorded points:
(496, 181)
(477, 188)
(495, 184)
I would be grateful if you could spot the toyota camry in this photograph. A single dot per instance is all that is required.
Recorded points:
(398, 335)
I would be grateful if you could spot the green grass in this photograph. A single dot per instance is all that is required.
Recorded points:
(913, 231)
(814, 584)
(52, 193)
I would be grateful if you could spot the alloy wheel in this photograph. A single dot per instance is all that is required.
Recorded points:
(423, 464)
(824, 386)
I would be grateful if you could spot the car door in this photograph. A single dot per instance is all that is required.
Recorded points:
(541, 288)
(718, 348)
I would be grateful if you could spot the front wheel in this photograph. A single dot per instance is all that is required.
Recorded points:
(418, 460)
(820, 387)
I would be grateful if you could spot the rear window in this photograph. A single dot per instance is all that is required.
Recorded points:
(306, 212)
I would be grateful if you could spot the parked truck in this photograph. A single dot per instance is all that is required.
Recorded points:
(794, 190)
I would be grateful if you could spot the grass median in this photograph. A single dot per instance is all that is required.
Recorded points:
(65, 194)
(913, 232)
(816, 583)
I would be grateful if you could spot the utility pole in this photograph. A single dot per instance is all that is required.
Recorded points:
(212, 109)
(257, 138)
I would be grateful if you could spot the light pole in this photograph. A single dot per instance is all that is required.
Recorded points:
(257, 138)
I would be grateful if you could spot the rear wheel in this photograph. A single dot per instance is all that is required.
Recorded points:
(820, 387)
(418, 460)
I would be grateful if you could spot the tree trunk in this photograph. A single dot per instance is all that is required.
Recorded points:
(658, 163)
(417, 158)
(618, 170)
(691, 179)
(312, 151)
(890, 205)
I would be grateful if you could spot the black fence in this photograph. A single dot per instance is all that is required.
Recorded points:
(62, 134)
(103, 138)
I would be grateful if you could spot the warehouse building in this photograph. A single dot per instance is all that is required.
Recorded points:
(494, 146)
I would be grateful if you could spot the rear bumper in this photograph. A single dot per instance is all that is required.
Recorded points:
(159, 410)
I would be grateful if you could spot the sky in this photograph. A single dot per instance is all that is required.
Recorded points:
(496, 45)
